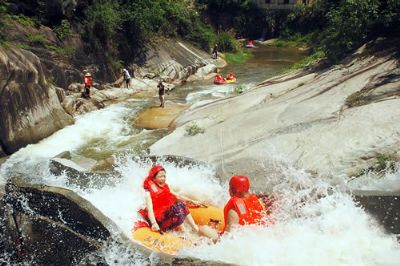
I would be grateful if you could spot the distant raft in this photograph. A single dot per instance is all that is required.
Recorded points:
(250, 44)
(230, 78)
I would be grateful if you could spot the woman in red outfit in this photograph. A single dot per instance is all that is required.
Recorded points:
(165, 210)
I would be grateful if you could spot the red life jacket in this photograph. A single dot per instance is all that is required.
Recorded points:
(161, 197)
(249, 209)
(88, 81)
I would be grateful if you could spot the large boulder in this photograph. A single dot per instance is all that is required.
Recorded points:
(173, 60)
(79, 170)
(30, 109)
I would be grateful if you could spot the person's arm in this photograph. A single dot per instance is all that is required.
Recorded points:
(232, 219)
(184, 198)
(152, 218)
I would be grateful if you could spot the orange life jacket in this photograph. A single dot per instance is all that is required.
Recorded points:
(88, 81)
(161, 197)
(249, 209)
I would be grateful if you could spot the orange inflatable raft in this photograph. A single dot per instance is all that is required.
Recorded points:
(171, 243)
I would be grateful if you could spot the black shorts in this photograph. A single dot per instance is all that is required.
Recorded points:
(127, 81)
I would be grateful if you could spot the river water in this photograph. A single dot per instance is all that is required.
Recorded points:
(316, 222)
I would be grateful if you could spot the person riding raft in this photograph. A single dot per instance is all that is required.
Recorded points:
(164, 210)
(243, 207)
(219, 79)
(230, 76)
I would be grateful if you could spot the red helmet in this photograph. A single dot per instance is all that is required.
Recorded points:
(239, 184)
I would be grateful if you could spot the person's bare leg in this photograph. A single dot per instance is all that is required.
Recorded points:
(191, 222)
(181, 228)
(209, 232)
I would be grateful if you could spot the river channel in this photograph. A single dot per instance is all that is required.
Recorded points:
(331, 230)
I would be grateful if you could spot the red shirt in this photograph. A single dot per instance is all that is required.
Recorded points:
(88, 81)
(161, 197)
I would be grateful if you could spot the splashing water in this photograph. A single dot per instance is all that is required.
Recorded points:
(390, 181)
(315, 224)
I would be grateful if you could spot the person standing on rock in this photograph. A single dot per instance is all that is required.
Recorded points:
(88, 81)
(161, 93)
(126, 77)
(215, 52)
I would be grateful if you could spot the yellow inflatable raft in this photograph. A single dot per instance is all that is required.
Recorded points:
(230, 80)
(170, 243)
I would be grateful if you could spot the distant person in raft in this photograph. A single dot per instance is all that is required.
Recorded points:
(126, 77)
(230, 76)
(165, 210)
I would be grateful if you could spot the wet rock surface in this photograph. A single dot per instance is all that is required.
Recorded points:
(157, 117)
(383, 206)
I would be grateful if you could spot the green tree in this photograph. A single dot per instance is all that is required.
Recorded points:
(349, 26)
(103, 20)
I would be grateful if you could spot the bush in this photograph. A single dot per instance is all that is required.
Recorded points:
(309, 60)
(26, 21)
(38, 40)
(3, 7)
(238, 89)
(63, 31)
(227, 42)
(349, 26)
(67, 51)
(294, 40)
(203, 36)
(237, 58)
(340, 27)
(103, 19)
(193, 129)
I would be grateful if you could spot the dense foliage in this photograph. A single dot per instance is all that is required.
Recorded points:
(340, 27)
(118, 30)
(245, 17)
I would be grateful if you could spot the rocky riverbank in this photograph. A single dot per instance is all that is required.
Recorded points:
(32, 107)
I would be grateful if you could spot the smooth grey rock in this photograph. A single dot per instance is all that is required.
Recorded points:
(30, 109)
